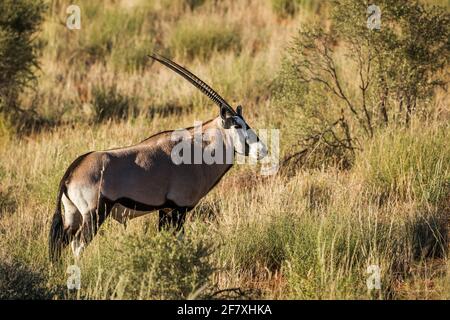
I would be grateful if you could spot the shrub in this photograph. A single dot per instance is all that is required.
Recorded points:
(396, 71)
(256, 247)
(19, 20)
(328, 257)
(132, 59)
(19, 282)
(161, 266)
(180, 6)
(193, 4)
(119, 38)
(328, 254)
(285, 8)
(111, 28)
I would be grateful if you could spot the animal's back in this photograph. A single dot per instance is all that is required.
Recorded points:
(91, 167)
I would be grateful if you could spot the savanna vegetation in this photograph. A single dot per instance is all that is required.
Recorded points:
(363, 116)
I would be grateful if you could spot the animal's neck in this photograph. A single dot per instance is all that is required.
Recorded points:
(220, 141)
(225, 140)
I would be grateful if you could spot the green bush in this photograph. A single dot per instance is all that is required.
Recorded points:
(328, 255)
(161, 266)
(111, 29)
(254, 247)
(120, 38)
(193, 4)
(19, 282)
(134, 58)
(192, 39)
(19, 21)
(348, 81)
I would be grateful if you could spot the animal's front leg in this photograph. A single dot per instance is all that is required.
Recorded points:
(172, 219)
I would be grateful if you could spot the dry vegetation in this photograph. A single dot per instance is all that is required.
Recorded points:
(302, 234)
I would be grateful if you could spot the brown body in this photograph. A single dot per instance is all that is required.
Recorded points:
(148, 176)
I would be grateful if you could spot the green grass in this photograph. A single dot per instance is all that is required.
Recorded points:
(201, 39)
(409, 162)
(144, 265)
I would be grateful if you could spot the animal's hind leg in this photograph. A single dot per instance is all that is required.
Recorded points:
(72, 219)
(92, 220)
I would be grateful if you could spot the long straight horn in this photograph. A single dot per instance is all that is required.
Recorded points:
(199, 84)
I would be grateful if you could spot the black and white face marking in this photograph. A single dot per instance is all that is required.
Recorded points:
(245, 140)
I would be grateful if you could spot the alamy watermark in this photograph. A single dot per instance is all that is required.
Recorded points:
(74, 278)
(73, 21)
(374, 19)
(374, 279)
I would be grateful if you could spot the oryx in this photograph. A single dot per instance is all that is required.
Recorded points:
(145, 177)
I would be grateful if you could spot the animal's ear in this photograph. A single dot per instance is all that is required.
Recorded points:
(227, 119)
(223, 113)
(239, 110)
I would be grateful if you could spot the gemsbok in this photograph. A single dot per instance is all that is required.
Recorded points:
(144, 177)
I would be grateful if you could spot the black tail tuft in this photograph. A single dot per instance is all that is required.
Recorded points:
(57, 237)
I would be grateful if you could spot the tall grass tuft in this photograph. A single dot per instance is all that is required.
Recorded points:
(413, 162)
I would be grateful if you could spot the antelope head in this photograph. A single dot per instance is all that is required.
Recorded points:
(244, 138)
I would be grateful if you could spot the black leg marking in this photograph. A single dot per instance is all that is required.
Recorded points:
(170, 214)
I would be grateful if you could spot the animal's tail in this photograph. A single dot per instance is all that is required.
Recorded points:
(57, 238)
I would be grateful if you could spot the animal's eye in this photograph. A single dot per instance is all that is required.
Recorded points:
(238, 126)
